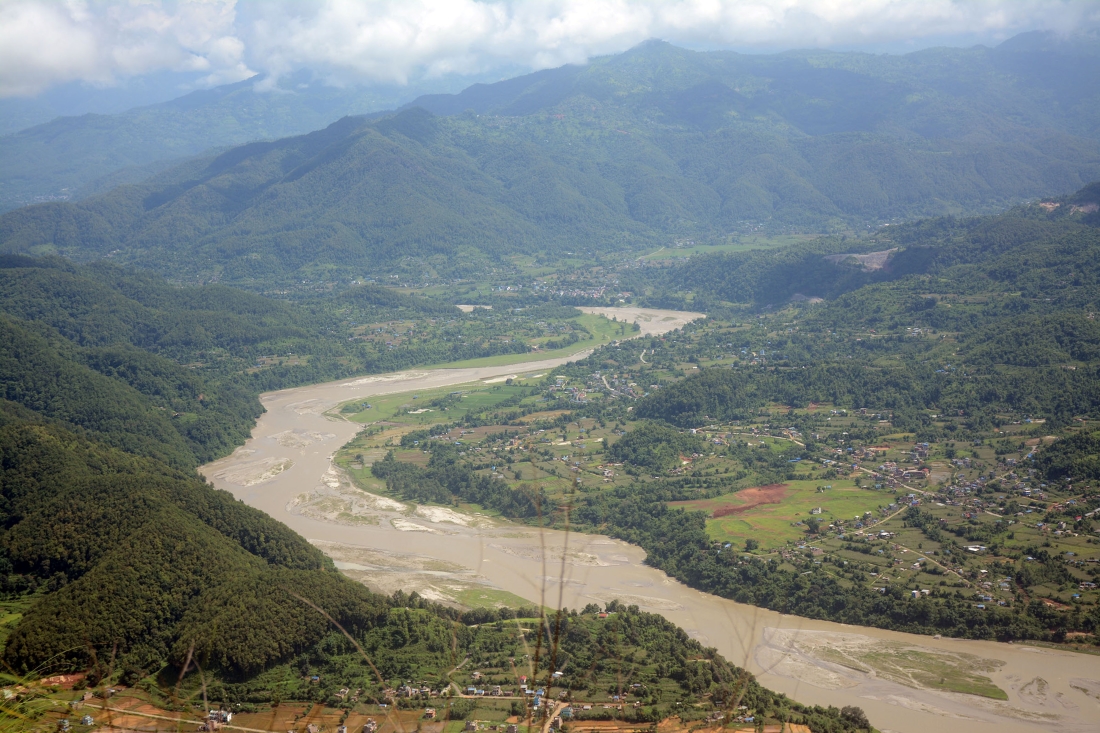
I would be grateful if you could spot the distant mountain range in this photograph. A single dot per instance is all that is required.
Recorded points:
(628, 151)
(74, 156)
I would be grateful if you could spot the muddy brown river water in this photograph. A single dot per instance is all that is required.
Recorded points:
(286, 470)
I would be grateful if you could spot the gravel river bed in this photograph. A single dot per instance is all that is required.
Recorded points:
(286, 469)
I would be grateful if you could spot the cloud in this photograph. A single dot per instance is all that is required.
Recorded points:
(45, 42)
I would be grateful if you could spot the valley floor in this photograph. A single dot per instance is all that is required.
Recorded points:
(381, 541)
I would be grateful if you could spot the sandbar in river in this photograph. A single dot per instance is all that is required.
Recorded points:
(288, 459)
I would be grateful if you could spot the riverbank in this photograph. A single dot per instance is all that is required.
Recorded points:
(288, 459)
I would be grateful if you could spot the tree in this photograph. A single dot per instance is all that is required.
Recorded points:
(751, 544)
(855, 716)
(813, 525)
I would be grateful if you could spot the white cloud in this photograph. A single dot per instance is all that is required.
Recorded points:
(45, 42)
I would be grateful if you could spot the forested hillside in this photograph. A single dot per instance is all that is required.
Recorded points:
(76, 156)
(124, 566)
(174, 373)
(1039, 252)
(1015, 294)
(629, 151)
(124, 550)
(114, 387)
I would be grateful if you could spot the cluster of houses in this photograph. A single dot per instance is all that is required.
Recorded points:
(495, 690)
(475, 725)
(407, 691)
(574, 394)
(215, 719)
(891, 473)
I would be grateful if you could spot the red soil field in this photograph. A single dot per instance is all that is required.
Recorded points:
(757, 495)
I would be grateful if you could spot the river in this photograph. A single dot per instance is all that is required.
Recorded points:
(286, 470)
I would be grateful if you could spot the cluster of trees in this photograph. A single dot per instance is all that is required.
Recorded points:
(654, 446)
(447, 479)
(141, 559)
(907, 390)
(1075, 456)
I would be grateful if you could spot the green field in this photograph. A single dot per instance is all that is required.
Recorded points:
(603, 331)
(739, 244)
(473, 397)
(771, 524)
(490, 598)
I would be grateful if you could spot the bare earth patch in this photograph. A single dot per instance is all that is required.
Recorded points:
(439, 514)
(754, 497)
(435, 580)
(300, 438)
(254, 472)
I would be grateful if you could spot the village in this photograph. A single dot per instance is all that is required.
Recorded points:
(844, 511)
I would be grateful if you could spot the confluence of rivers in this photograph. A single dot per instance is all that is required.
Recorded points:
(1047, 689)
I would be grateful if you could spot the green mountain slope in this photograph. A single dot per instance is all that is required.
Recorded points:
(1042, 253)
(628, 151)
(74, 156)
(174, 372)
(1016, 293)
(128, 546)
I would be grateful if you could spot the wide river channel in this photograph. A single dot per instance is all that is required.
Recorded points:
(286, 470)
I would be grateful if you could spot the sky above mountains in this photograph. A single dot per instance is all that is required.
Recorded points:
(45, 44)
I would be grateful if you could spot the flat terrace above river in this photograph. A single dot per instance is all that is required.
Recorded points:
(288, 459)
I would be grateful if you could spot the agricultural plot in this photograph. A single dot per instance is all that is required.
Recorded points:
(777, 514)
(741, 243)
(446, 404)
(596, 331)
(962, 522)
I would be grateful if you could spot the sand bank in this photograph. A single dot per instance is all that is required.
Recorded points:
(389, 545)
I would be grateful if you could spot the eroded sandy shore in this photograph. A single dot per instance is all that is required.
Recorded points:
(286, 470)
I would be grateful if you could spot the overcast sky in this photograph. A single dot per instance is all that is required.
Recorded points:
(44, 43)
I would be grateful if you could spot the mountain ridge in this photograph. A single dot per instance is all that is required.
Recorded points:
(628, 152)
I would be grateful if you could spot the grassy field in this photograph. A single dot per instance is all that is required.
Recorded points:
(404, 407)
(490, 598)
(739, 244)
(603, 331)
(772, 524)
